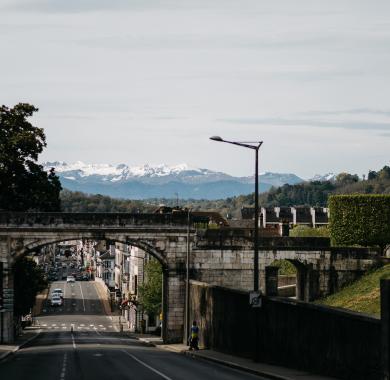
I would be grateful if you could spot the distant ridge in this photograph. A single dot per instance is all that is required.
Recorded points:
(161, 181)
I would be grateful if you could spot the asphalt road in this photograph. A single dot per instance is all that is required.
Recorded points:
(93, 349)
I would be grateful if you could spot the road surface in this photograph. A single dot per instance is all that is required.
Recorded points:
(79, 342)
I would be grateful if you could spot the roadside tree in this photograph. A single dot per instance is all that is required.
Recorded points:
(150, 293)
(24, 185)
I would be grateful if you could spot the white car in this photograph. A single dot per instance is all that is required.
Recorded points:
(70, 279)
(57, 292)
(56, 301)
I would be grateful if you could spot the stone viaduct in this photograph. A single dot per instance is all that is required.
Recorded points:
(219, 257)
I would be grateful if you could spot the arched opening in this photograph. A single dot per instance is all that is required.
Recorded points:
(287, 278)
(122, 273)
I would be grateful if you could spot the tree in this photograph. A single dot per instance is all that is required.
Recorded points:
(24, 185)
(150, 293)
(384, 173)
(372, 175)
(345, 178)
(29, 280)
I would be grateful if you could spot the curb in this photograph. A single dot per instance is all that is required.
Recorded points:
(237, 366)
(191, 354)
(17, 348)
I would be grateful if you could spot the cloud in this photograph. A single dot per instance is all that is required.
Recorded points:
(347, 124)
(355, 111)
(82, 6)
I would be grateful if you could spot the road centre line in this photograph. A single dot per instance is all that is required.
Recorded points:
(82, 295)
(73, 342)
(147, 366)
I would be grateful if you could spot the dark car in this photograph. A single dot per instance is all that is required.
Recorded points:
(85, 277)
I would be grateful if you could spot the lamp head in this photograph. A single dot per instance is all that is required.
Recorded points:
(216, 138)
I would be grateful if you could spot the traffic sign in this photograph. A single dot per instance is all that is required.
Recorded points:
(255, 299)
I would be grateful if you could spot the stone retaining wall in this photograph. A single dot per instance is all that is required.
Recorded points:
(295, 334)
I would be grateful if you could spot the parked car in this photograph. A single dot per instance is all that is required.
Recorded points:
(57, 291)
(70, 279)
(56, 301)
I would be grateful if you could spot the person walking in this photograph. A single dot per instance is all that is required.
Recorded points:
(194, 337)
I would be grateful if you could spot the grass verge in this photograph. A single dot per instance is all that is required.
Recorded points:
(363, 295)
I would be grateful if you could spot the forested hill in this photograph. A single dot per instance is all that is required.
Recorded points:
(306, 193)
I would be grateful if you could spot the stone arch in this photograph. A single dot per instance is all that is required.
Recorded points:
(307, 281)
(155, 247)
(143, 244)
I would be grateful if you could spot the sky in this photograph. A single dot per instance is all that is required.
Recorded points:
(149, 81)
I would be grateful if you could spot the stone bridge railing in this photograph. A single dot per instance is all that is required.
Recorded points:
(55, 219)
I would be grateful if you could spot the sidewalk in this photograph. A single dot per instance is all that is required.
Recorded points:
(29, 333)
(39, 302)
(247, 365)
(102, 292)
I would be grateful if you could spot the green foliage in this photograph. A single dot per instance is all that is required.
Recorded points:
(361, 296)
(303, 194)
(306, 231)
(75, 201)
(346, 178)
(29, 280)
(150, 293)
(285, 267)
(24, 185)
(360, 219)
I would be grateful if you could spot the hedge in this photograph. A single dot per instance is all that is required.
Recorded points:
(362, 219)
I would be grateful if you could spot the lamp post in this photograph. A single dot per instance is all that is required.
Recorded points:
(254, 145)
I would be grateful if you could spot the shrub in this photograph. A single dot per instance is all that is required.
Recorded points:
(361, 219)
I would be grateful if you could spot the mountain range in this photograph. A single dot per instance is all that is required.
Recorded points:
(162, 181)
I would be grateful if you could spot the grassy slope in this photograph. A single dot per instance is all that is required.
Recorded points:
(362, 295)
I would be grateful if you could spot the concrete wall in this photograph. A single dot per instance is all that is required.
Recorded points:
(294, 334)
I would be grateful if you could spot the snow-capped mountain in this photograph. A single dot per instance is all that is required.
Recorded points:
(323, 177)
(160, 181)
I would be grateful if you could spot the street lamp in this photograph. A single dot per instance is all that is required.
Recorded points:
(254, 145)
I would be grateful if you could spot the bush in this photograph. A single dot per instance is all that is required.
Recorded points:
(306, 231)
(361, 219)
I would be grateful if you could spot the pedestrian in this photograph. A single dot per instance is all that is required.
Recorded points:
(194, 337)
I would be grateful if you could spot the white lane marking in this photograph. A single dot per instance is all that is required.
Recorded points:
(92, 325)
(44, 324)
(53, 324)
(82, 324)
(82, 295)
(147, 366)
(63, 370)
(100, 325)
(62, 324)
(73, 342)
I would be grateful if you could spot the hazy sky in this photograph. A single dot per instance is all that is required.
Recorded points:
(148, 81)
